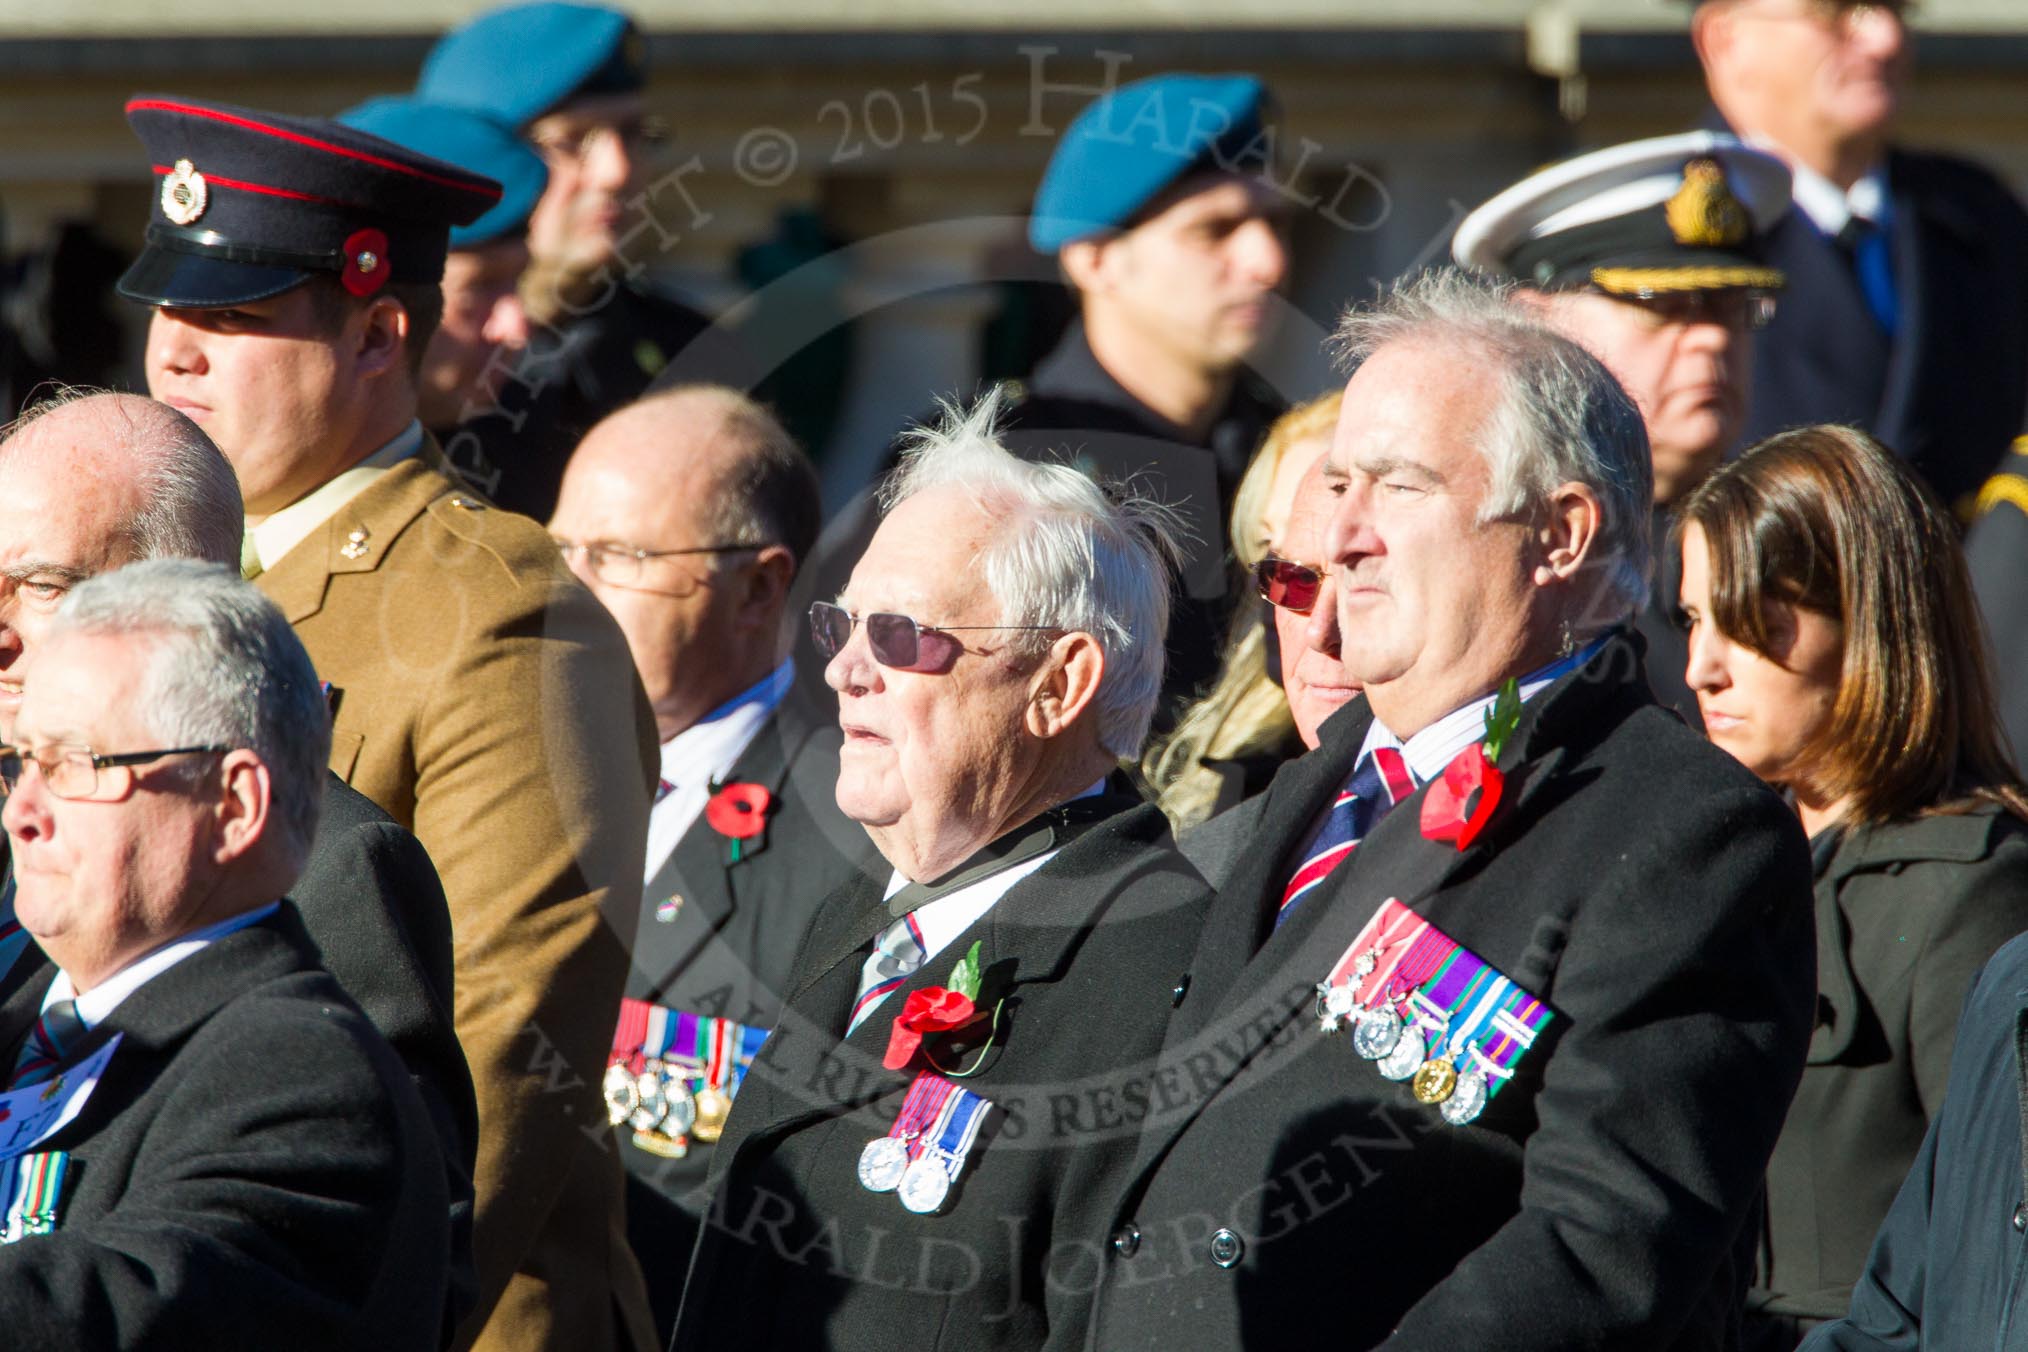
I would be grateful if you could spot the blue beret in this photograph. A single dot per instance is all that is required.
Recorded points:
(249, 204)
(1130, 145)
(470, 142)
(515, 64)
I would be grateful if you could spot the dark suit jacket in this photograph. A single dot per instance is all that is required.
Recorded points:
(377, 920)
(1656, 896)
(1945, 1270)
(1087, 951)
(1996, 552)
(1907, 914)
(727, 951)
(1948, 393)
(254, 1170)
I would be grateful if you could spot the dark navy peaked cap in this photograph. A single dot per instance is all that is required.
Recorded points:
(250, 204)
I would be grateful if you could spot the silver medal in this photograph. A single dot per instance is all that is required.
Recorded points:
(1334, 1006)
(925, 1184)
(621, 1095)
(681, 1113)
(1405, 1058)
(1467, 1101)
(1376, 1033)
(1363, 965)
(649, 1102)
(882, 1164)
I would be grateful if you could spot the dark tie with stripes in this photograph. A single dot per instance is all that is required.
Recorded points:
(1378, 782)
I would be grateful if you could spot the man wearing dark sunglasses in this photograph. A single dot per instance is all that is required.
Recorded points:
(996, 653)
(1652, 255)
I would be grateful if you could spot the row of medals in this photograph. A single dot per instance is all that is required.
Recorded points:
(922, 1183)
(659, 1106)
(1401, 1051)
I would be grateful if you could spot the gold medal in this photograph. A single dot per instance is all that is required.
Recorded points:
(712, 1106)
(1435, 1080)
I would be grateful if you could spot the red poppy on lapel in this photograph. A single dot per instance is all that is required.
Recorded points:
(929, 1012)
(739, 810)
(1457, 806)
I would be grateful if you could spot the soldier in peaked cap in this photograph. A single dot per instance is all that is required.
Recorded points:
(478, 693)
(1162, 212)
(1651, 255)
(570, 79)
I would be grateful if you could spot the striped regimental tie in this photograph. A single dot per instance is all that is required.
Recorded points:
(896, 954)
(1378, 782)
(58, 1029)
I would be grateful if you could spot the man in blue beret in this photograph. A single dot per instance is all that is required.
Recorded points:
(478, 693)
(570, 79)
(484, 321)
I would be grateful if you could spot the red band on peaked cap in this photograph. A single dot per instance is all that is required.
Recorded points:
(238, 185)
(482, 188)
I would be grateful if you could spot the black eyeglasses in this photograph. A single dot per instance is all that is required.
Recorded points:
(1291, 586)
(1737, 308)
(896, 640)
(71, 771)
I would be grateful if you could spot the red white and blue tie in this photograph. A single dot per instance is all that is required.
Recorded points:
(1378, 782)
(42, 1051)
(896, 954)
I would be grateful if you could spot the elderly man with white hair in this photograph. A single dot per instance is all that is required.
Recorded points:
(1500, 1017)
(921, 1149)
(204, 1141)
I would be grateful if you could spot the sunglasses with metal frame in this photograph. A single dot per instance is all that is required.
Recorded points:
(897, 641)
(1290, 586)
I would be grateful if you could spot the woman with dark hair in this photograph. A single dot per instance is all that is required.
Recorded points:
(1836, 650)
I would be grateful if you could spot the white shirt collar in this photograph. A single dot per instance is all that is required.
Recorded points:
(943, 920)
(1829, 207)
(1437, 745)
(707, 748)
(98, 1002)
(282, 532)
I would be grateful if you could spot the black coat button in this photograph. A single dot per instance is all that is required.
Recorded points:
(1226, 1248)
(1182, 989)
(2021, 1218)
(1127, 1240)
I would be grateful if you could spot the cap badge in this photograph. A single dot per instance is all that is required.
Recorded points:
(1703, 213)
(184, 194)
(366, 267)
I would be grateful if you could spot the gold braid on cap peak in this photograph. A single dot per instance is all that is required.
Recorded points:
(1703, 212)
(1657, 281)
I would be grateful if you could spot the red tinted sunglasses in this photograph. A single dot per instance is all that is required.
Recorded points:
(1292, 586)
(896, 640)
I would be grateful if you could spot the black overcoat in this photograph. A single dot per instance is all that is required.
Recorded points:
(1087, 952)
(726, 950)
(254, 1170)
(1647, 888)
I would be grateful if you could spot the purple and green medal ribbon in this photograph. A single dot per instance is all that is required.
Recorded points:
(684, 1039)
(1492, 1021)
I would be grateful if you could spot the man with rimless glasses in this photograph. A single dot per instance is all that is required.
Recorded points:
(884, 1181)
(1653, 256)
(236, 1123)
(688, 514)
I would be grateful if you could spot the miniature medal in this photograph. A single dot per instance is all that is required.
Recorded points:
(926, 1183)
(1406, 1056)
(649, 1100)
(1376, 1033)
(1435, 1080)
(712, 1105)
(621, 1095)
(882, 1163)
(1468, 1100)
